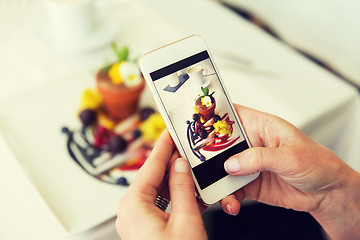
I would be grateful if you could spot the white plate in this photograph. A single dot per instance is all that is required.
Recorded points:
(31, 124)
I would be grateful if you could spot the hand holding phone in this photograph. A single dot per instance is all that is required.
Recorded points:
(198, 113)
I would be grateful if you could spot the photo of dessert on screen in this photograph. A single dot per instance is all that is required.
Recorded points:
(199, 110)
(208, 131)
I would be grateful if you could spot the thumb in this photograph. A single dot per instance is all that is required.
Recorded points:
(255, 159)
(182, 189)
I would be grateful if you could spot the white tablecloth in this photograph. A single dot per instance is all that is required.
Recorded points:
(270, 76)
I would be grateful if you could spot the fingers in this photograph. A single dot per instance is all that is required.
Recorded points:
(231, 204)
(256, 159)
(266, 130)
(175, 155)
(151, 174)
(182, 190)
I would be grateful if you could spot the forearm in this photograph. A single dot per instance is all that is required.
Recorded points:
(339, 212)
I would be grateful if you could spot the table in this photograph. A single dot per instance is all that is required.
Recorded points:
(265, 74)
(311, 27)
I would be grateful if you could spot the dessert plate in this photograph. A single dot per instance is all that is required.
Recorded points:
(31, 124)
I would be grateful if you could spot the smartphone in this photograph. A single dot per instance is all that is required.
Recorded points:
(198, 113)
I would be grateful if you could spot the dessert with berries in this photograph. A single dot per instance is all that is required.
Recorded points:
(208, 131)
(120, 85)
(205, 104)
(116, 134)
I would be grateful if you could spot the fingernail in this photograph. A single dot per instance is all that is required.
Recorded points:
(228, 208)
(181, 166)
(232, 165)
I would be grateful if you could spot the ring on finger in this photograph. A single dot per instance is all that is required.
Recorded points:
(162, 202)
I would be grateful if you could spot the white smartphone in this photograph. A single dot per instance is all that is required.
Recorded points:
(198, 113)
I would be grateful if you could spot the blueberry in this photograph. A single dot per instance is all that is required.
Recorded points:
(203, 134)
(122, 181)
(136, 133)
(196, 117)
(202, 158)
(117, 144)
(187, 122)
(217, 118)
(65, 130)
(87, 117)
(146, 112)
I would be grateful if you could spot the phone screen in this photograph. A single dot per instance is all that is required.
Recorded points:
(201, 115)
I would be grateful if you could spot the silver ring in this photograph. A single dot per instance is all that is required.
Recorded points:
(162, 202)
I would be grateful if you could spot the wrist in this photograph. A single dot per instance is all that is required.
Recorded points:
(339, 210)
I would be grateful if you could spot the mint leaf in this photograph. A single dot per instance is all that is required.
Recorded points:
(123, 54)
(205, 91)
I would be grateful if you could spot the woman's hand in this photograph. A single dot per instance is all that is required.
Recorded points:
(296, 173)
(137, 215)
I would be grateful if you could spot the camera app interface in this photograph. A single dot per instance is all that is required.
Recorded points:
(201, 115)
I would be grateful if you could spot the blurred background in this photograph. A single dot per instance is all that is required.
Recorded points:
(324, 31)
